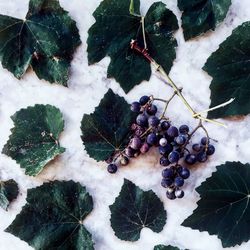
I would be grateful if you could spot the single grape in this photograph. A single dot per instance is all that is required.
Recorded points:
(144, 99)
(153, 121)
(163, 142)
(135, 143)
(165, 125)
(124, 160)
(166, 149)
(152, 139)
(152, 110)
(184, 173)
(171, 195)
(190, 159)
(135, 107)
(167, 173)
(197, 147)
(166, 182)
(142, 120)
(164, 161)
(144, 148)
(179, 193)
(139, 131)
(179, 181)
(202, 157)
(174, 157)
(210, 149)
(129, 152)
(181, 139)
(112, 168)
(184, 129)
(204, 141)
(172, 132)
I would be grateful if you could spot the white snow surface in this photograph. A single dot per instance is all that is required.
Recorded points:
(87, 85)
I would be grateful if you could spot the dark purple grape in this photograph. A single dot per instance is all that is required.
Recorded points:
(124, 161)
(167, 173)
(135, 107)
(139, 131)
(174, 157)
(172, 132)
(129, 152)
(178, 181)
(164, 161)
(166, 182)
(152, 139)
(112, 168)
(184, 129)
(204, 141)
(190, 159)
(197, 147)
(153, 121)
(163, 142)
(152, 110)
(184, 173)
(210, 149)
(142, 120)
(165, 125)
(170, 194)
(144, 148)
(179, 194)
(181, 139)
(135, 143)
(166, 149)
(144, 99)
(202, 157)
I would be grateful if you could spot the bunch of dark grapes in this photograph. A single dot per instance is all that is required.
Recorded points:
(150, 130)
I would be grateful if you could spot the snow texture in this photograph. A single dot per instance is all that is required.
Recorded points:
(87, 86)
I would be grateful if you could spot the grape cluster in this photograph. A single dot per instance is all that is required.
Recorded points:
(150, 130)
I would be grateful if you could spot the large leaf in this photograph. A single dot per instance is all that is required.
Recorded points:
(200, 16)
(162, 247)
(53, 217)
(224, 208)
(135, 209)
(230, 68)
(8, 192)
(34, 139)
(113, 31)
(107, 130)
(44, 40)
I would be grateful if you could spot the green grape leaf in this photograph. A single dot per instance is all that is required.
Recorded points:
(53, 217)
(230, 68)
(45, 40)
(107, 130)
(8, 193)
(162, 247)
(224, 207)
(199, 16)
(34, 139)
(113, 31)
(135, 209)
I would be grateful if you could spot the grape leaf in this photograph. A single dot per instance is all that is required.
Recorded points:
(113, 31)
(200, 16)
(230, 68)
(44, 40)
(8, 192)
(224, 208)
(107, 129)
(162, 247)
(135, 209)
(53, 217)
(34, 139)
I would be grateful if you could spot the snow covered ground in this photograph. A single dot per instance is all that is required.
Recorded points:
(87, 86)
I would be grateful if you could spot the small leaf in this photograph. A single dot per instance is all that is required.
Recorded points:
(53, 217)
(230, 68)
(107, 130)
(199, 16)
(113, 31)
(162, 247)
(8, 192)
(45, 40)
(34, 139)
(224, 208)
(135, 209)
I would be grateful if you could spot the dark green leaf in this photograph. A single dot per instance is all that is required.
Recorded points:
(113, 31)
(53, 217)
(200, 16)
(107, 130)
(45, 40)
(162, 247)
(224, 208)
(230, 68)
(8, 192)
(135, 209)
(34, 139)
